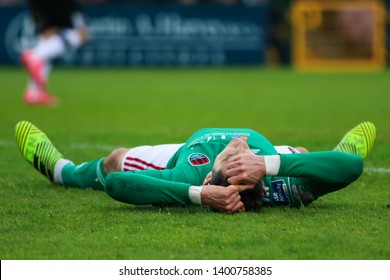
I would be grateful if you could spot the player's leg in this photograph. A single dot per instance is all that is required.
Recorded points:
(285, 149)
(302, 150)
(54, 43)
(38, 66)
(359, 140)
(93, 174)
(57, 36)
(51, 44)
(59, 33)
(38, 150)
(38, 95)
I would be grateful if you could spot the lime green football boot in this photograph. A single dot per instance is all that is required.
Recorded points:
(36, 148)
(359, 140)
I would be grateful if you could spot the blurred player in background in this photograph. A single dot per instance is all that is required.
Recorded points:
(61, 27)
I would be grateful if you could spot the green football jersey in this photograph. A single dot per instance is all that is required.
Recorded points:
(301, 179)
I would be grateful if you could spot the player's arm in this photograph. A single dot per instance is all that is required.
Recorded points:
(144, 188)
(332, 166)
(329, 168)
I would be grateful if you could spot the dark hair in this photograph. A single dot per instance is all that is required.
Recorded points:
(251, 198)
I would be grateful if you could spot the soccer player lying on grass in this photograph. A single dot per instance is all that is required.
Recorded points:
(273, 179)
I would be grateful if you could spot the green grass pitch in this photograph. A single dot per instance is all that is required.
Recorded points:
(106, 108)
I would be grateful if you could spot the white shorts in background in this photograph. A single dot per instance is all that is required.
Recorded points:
(149, 157)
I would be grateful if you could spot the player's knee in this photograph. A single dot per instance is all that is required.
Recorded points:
(113, 163)
(302, 150)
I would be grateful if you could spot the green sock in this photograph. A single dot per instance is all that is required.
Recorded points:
(87, 175)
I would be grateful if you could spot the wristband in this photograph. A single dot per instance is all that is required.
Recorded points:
(272, 165)
(194, 194)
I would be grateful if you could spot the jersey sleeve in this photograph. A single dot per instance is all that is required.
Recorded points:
(141, 189)
(322, 172)
(161, 187)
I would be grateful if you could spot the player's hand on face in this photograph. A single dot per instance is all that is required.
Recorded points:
(207, 180)
(245, 168)
(224, 199)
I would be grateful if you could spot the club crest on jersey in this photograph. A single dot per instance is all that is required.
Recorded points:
(197, 159)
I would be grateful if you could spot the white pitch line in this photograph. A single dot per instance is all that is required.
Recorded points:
(377, 169)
